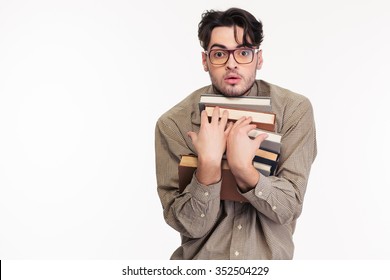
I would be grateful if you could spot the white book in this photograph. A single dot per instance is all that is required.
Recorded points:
(253, 103)
(271, 143)
(264, 169)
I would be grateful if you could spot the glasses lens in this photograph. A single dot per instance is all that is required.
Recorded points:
(219, 56)
(243, 56)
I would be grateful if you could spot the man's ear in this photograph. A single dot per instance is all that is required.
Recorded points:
(259, 59)
(204, 62)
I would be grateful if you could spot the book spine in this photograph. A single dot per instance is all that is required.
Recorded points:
(270, 146)
(251, 108)
(267, 154)
(265, 126)
(272, 163)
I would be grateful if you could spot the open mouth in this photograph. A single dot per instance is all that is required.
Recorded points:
(232, 79)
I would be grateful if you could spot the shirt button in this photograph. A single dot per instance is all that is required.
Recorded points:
(202, 215)
(239, 227)
(236, 253)
(274, 207)
(260, 193)
(206, 193)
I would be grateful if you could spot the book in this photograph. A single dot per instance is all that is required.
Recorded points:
(264, 168)
(262, 120)
(250, 103)
(267, 154)
(266, 157)
(187, 167)
(269, 159)
(229, 191)
(272, 143)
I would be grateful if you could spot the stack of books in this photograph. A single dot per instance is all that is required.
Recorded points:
(267, 156)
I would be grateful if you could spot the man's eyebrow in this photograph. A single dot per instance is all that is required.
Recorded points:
(218, 46)
(224, 47)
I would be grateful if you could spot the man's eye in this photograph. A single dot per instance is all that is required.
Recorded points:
(219, 54)
(244, 53)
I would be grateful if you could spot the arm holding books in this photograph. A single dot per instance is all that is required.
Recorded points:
(195, 211)
(240, 152)
(280, 197)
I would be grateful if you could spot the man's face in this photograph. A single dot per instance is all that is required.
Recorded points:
(231, 78)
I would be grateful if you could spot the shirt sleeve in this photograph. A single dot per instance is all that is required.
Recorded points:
(194, 211)
(280, 197)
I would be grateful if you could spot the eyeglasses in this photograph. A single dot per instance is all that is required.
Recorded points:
(221, 56)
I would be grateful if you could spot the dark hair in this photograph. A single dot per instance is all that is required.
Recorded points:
(253, 28)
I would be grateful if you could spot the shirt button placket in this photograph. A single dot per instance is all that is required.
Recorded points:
(237, 251)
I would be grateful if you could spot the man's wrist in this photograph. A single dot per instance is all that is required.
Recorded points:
(246, 178)
(208, 172)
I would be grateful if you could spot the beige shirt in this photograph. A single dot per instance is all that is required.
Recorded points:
(215, 229)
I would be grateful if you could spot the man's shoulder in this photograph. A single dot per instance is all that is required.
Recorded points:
(278, 92)
(283, 99)
(189, 106)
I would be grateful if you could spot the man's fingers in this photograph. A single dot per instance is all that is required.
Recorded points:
(238, 122)
(215, 116)
(249, 127)
(245, 123)
(260, 138)
(192, 135)
(228, 128)
(224, 118)
(203, 117)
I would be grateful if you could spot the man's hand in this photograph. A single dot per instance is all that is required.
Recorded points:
(240, 152)
(210, 144)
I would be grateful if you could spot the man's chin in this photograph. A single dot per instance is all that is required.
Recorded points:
(233, 91)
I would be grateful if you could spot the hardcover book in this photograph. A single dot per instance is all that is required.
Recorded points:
(272, 143)
(262, 120)
(188, 165)
(250, 103)
(229, 189)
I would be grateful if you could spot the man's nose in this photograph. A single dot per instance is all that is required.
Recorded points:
(231, 63)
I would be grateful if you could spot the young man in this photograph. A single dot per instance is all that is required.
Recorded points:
(219, 229)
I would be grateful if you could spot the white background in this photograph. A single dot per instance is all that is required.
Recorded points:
(82, 84)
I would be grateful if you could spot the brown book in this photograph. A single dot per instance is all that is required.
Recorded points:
(188, 165)
(266, 154)
(262, 120)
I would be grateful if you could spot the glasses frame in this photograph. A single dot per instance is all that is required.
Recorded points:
(231, 51)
